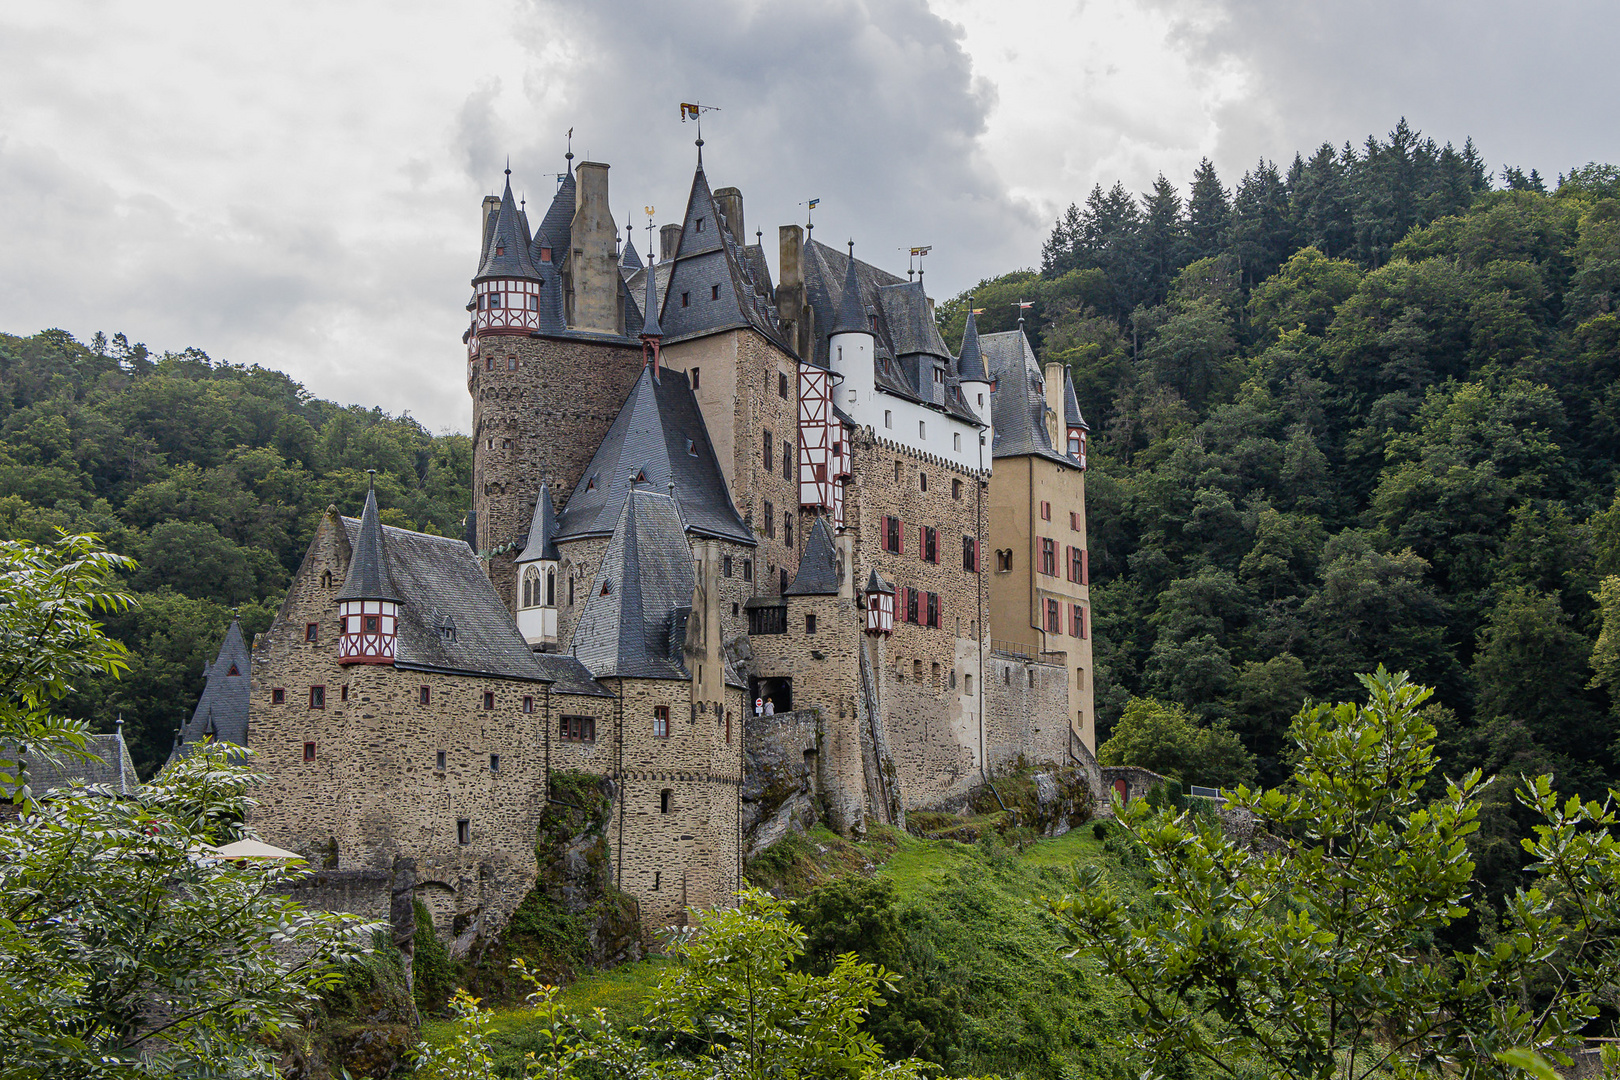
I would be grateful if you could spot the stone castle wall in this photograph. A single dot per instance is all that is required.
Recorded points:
(1026, 712)
(541, 407)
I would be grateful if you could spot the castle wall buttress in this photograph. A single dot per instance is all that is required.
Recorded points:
(541, 406)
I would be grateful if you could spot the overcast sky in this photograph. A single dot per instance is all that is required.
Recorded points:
(297, 184)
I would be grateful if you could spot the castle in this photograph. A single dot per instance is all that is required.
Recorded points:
(712, 514)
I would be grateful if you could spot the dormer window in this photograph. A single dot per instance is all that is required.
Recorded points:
(691, 448)
(545, 254)
(590, 485)
(714, 292)
(500, 249)
(607, 587)
(699, 224)
(872, 319)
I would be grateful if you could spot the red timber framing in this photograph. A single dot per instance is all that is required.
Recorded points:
(369, 630)
(504, 306)
(817, 430)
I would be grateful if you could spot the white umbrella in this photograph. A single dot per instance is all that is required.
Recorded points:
(251, 849)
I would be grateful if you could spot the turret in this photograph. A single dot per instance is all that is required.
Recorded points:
(537, 576)
(651, 333)
(368, 604)
(850, 343)
(507, 288)
(879, 605)
(1074, 424)
(975, 382)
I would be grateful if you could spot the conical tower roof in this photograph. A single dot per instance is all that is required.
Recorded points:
(222, 711)
(851, 312)
(1071, 404)
(650, 326)
(875, 583)
(818, 566)
(506, 251)
(368, 577)
(970, 362)
(630, 258)
(542, 530)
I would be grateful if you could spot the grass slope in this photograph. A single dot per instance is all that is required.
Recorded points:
(975, 934)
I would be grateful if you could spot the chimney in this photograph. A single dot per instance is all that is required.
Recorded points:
(790, 299)
(492, 206)
(729, 202)
(669, 239)
(593, 262)
(1054, 404)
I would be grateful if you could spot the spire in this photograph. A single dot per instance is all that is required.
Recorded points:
(630, 258)
(542, 530)
(818, 566)
(650, 327)
(970, 361)
(851, 312)
(506, 251)
(368, 577)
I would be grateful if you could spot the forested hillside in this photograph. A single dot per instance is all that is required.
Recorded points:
(1365, 410)
(213, 476)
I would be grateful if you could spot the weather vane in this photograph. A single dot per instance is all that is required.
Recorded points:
(692, 110)
(809, 215)
(649, 237)
(916, 257)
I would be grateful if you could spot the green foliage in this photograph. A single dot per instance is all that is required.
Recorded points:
(1318, 959)
(432, 973)
(213, 476)
(113, 907)
(1165, 739)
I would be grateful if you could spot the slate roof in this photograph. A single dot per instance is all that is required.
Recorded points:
(556, 227)
(222, 710)
(368, 576)
(971, 363)
(659, 433)
(825, 273)
(1017, 405)
(852, 317)
(629, 258)
(634, 620)
(818, 565)
(506, 244)
(1071, 404)
(910, 321)
(875, 583)
(708, 258)
(451, 618)
(649, 326)
(114, 769)
(542, 530)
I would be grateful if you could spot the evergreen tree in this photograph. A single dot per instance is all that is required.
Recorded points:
(1319, 204)
(1259, 231)
(1207, 213)
(1060, 253)
(1164, 238)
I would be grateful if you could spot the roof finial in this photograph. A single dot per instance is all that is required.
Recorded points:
(570, 154)
(371, 479)
(508, 164)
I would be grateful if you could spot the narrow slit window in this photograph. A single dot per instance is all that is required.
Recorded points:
(309, 751)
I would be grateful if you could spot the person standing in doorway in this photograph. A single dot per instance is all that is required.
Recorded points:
(770, 707)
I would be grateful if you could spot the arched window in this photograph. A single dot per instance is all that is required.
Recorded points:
(531, 587)
(551, 588)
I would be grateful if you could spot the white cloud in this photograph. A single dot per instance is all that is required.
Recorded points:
(297, 185)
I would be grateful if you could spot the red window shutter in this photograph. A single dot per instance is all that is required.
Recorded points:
(1083, 622)
(1085, 570)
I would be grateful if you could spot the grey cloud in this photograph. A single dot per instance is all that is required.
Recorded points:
(1519, 78)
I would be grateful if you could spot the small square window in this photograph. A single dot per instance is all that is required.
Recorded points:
(956, 441)
(439, 761)
(956, 489)
(809, 622)
(489, 699)
(660, 721)
(373, 622)
(312, 631)
(317, 697)
(888, 418)
(748, 569)
(781, 385)
(463, 831)
(494, 763)
(511, 363)
(309, 751)
(922, 429)
(696, 381)
(424, 695)
(922, 481)
(278, 696)
(528, 703)
(343, 692)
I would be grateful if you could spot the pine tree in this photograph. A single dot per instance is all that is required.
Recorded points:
(1259, 230)
(1320, 204)
(1164, 238)
(1059, 254)
(1207, 213)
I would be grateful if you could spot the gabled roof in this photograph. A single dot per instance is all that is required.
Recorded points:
(452, 618)
(368, 577)
(542, 530)
(506, 245)
(709, 271)
(634, 618)
(223, 706)
(659, 436)
(1017, 404)
(114, 769)
(818, 566)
